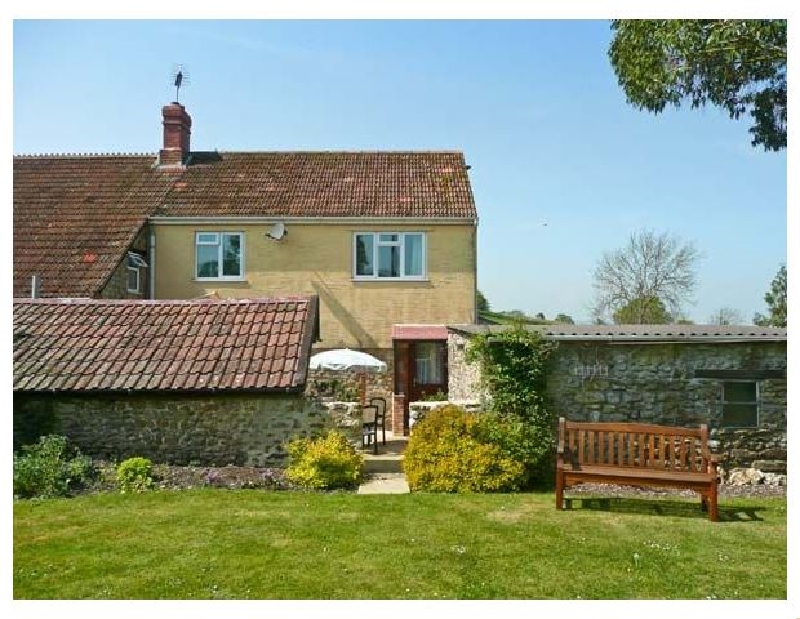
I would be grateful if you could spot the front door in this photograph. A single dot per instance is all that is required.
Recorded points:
(428, 370)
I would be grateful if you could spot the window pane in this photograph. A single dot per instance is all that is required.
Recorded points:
(389, 238)
(413, 257)
(133, 280)
(739, 415)
(364, 254)
(739, 392)
(207, 237)
(429, 357)
(389, 261)
(207, 261)
(231, 255)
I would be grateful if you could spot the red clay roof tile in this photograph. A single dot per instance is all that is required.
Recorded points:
(88, 345)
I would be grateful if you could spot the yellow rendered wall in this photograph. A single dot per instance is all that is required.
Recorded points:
(318, 259)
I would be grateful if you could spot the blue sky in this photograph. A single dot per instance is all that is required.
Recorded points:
(534, 105)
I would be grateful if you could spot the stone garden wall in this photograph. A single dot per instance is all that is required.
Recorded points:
(242, 430)
(657, 383)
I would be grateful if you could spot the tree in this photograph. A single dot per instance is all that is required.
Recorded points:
(482, 302)
(726, 316)
(738, 65)
(649, 266)
(775, 299)
(564, 319)
(643, 311)
(540, 316)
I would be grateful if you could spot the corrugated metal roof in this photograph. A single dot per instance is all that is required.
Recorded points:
(642, 333)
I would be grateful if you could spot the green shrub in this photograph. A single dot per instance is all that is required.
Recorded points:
(50, 468)
(519, 440)
(514, 367)
(447, 453)
(328, 461)
(134, 475)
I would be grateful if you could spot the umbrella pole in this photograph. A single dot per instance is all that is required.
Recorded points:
(362, 388)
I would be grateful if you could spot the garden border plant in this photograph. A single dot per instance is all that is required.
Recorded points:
(514, 366)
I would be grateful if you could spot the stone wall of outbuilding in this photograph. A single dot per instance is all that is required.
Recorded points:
(206, 430)
(658, 383)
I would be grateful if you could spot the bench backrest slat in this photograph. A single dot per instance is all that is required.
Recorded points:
(634, 445)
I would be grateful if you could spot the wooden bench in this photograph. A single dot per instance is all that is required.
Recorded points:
(636, 455)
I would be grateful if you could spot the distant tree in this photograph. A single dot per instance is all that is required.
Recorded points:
(515, 314)
(775, 299)
(482, 302)
(649, 266)
(564, 319)
(643, 311)
(736, 64)
(684, 321)
(540, 316)
(726, 316)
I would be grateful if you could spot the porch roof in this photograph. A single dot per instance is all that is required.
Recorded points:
(419, 332)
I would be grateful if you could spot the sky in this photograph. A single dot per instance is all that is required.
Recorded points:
(533, 104)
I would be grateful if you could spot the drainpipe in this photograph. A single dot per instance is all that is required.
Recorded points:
(36, 286)
(151, 254)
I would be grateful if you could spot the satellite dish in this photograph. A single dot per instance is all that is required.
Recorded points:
(277, 231)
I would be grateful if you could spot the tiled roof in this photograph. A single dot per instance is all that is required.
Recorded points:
(75, 216)
(322, 184)
(419, 332)
(642, 333)
(91, 346)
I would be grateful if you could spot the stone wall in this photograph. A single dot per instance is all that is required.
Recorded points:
(418, 410)
(117, 285)
(328, 386)
(243, 430)
(656, 383)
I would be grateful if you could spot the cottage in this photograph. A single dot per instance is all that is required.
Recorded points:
(731, 377)
(382, 238)
(214, 382)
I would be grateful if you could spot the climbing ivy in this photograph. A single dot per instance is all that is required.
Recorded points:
(514, 365)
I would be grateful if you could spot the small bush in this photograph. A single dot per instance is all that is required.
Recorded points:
(327, 462)
(50, 468)
(446, 454)
(519, 440)
(134, 475)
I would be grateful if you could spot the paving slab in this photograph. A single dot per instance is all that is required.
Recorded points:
(385, 484)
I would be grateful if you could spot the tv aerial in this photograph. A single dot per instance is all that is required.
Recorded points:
(180, 77)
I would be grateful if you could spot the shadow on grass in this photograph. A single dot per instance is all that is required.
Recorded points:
(661, 507)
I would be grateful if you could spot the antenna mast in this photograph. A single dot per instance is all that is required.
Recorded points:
(180, 77)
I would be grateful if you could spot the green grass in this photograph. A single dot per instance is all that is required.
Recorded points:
(209, 544)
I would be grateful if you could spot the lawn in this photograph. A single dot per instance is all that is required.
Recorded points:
(249, 544)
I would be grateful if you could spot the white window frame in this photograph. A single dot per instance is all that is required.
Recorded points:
(135, 262)
(757, 404)
(218, 242)
(377, 243)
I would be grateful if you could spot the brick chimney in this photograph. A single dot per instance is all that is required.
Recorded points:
(177, 130)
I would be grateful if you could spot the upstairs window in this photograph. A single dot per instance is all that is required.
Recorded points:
(135, 264)
(739, 404)
(219, 255)
(389, 255)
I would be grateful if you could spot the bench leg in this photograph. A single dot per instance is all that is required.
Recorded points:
(713, 513)
(559, 491)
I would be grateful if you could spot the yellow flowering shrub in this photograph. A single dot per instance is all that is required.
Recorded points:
(444, 455)
(328, 461)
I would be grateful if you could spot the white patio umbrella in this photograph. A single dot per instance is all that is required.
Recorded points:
(347, 359)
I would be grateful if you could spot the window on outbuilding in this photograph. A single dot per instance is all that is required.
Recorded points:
(739, 404)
